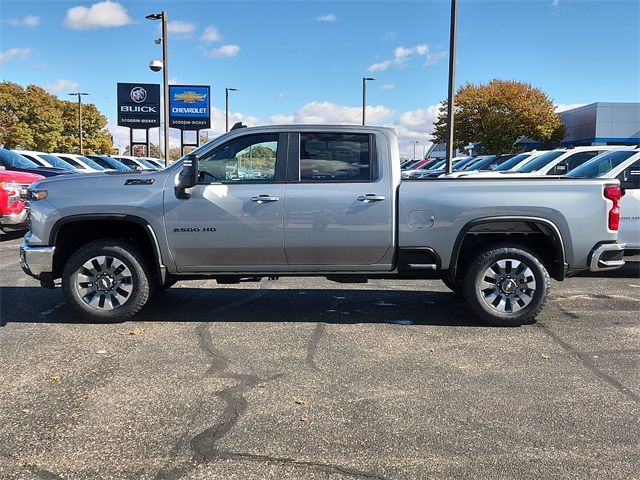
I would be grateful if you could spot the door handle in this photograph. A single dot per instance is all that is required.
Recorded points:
(264, 199)
(371, 197)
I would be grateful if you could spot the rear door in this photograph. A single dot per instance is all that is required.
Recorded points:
(339, 203)
(234, 218)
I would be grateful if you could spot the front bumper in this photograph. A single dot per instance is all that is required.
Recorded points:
(607, 256)
(15, 221)
(36, 261)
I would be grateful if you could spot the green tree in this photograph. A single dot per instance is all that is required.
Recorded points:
(497, 114)
(96, 138)
(33, 119)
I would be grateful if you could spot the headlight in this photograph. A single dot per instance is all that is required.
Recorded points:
(34, 195)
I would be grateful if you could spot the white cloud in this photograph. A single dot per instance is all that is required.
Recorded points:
(99, 15)
(402, 55)
(28, 21)
(327, 17)
(14, 54)
(331, 113)
(561, 107)
(174, 81)
(415, 125)
(225, 51)
(61, 85)
(211, 35)
(387, 86)
(180, 29)
(555, 3)
(281, 95)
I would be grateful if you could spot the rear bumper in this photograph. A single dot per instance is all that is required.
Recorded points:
(36, 260)
(606, 256)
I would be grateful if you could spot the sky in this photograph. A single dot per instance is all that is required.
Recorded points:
(303, 61)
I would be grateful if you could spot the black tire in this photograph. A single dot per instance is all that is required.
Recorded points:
(508, 294)
(124, 290)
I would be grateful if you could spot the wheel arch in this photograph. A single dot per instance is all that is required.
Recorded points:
(78, 230)
(516, 228)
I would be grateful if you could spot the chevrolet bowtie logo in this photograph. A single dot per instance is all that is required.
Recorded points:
(190, 97)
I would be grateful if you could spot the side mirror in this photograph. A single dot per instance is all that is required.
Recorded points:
(188, 176)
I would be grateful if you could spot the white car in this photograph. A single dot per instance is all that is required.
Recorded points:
(155, 161)
(81, 162)
(137, 163)
(623, 164)
(557, 162)
(511, 165)
(47, 160)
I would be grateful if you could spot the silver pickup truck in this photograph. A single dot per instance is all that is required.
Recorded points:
(314, 200)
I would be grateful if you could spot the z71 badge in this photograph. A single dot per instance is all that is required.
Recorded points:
(138, 181)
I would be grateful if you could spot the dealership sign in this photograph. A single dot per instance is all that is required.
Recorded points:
(189, 107)
(138, 105)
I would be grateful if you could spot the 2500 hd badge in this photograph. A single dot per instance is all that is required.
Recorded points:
(193, 229)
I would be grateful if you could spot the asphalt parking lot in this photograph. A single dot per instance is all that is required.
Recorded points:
(305, 379)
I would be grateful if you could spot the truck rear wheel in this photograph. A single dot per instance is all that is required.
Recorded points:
(107, 280)
(507, 285)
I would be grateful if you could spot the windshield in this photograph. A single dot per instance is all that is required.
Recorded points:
(111, 163)
(600, 165)
(540, 161)
(12, 159)
(437, 166)
(480, 164)
(512, 162)
(90, 163)
(461, 164)
(57, 162)
(147, 164)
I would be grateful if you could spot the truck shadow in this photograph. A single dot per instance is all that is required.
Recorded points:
(179, 304)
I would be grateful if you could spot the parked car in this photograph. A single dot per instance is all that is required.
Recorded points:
(347, 219)
(135, 163)
(155, 161)
(624, 165)
(562, 161)
(13, 212)
(513, 163)
(47, 160)
(81, 162)
(438, 169)
(11, 160)
(109, 163)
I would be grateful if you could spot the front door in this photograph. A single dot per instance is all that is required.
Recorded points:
(339, 204)
(234, 218)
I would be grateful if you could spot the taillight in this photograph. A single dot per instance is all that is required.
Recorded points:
(614, 193)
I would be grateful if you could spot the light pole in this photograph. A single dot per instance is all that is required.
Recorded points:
(165, 78)
(415, 142)
(452, 83)
(364, 97)
(79, 94)
(226, 110)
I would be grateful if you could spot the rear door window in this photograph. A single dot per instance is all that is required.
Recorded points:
(336, 157)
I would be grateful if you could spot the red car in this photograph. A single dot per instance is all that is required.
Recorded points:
(13, 214)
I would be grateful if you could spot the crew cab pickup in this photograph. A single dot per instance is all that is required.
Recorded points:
(315, 200)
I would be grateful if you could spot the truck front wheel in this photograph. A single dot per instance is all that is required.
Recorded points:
(107, 280)
(507, 285)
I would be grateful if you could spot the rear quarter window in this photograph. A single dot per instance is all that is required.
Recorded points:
(336, 157)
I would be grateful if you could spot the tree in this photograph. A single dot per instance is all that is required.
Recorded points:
(96, 138)
(497, 114)
(33, 119)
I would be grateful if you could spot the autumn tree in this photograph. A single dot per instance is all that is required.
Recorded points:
(497, 114)
(96, 138)
(33, 119)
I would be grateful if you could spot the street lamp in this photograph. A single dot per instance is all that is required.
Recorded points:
(79, 94)
(226, 97)
(452, 83)
(364, 96)
(415, 142)
(165, 77)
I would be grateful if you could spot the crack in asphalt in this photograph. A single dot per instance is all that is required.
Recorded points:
(318, 333)
(588, 362)
(203, 445)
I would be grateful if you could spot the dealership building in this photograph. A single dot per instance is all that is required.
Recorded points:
(602, 123)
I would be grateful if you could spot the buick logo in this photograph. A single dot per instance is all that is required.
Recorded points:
(138, 94)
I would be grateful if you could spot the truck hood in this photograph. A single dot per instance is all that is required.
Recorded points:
(11, 176)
